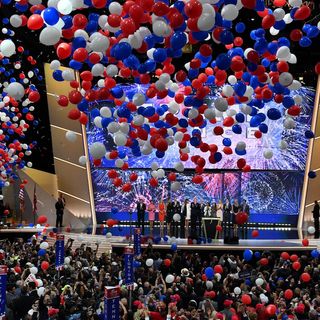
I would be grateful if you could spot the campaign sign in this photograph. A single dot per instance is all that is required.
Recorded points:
(128, 265)
(137, 241)
(60, 251)
(112, 303)
(3, 288)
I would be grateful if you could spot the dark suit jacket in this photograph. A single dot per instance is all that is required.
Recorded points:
(315, 211)
(141, 208)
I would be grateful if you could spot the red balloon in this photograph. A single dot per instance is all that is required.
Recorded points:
(268, 21)
(63, 101)
(241, 163)
(218, 269)
(80, 21)
(112, 174)
(126, 187)
(294, 257)
(17, 269)
(241, 218)
(133, 177)
(99, 3)
(317, 68)
(246, 299)
(128, 26)
(74, 114)
(305, 277)
(296, 265)
(250, 4)
(305, 242)
(75, 97)
(285, 256)
(288, 294)
(279, 3)
(296, 35)
(197, 179)
(35, 22)
(80, 54)
(193, 9)
(271, 309)
(255, 233)
(228, 121)
(153, 182)
(219, 228)
(111, 223)
(172, 176)
(117, 182)
(302, 13)
(34, 96)
(167, 262)
(64, 50)
(246, 168)
(6, 212)
(264, 261)
(45, 265)
(83, 118)
(42, 219)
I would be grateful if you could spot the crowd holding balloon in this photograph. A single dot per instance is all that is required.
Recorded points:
(177, 284)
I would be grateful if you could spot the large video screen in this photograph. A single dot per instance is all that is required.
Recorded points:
(293, 158)
(270, 194)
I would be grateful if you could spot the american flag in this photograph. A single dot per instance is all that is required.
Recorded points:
(34, 209)
(21, 199)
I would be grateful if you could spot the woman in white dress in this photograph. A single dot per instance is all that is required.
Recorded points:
(219, 214)
(186, 213)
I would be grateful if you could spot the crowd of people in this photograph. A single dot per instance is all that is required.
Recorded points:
(180, 285)
(185, 219)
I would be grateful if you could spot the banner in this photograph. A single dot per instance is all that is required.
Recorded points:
(60, 251)
(128, 266)
(112, 303)
(137, 241)
(3, 288)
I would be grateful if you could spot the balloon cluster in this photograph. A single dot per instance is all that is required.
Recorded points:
(141, 41)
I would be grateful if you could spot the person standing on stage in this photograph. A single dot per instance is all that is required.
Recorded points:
(195, 213)
(315, 213)
(60, 204)
(141, 210)
(169, 216)
(185, 218)
(176, 210)
(151, 211)
(245, 208)
(235, 211)
(214, 210)
(207, 210)
(227, 217)
(162, 216)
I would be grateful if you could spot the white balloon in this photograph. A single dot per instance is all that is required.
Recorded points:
(99, 42)
(237, 290)
(295, 3)
(285, 79)
(241, 145)
(41, 291)
(15, 90)
(287, 18)
(293, 59)
(227, 90)
(64, 7)
(218, 276)
(229, 12)
(83, 160)
(97, 122)
(120, 139)
(124, 127)
(68, 75)
(71, 136)
(175, 186)
(283, 145)
(221, 104)
(7, 48)
(246, 109)
(119, 163)
(268, 154)
(105, 112)
(97, 150)
(115, 8)
(49, 36)
(259, 282)
(113, 127)
(209, 285)
(178, 136)
(39, 283)
(160, 28)
(283, 53)
(112, 70)
(193, 113)
(55, 64)
(34, 270)
(279, 14)
(149, 262)
(109, 235)
(97, 70)
(160, 173)
(206, 22)
(311, 230)
(16, 21)
(297, 99)
(169, 278)
(139, 99)
(176, 217)
(179, 166)
(138, 120)
(289, 123)
(209, 114)
(44, 245)
(295, 85)
(232, 80)
(154, 174)
(164, 77)
(154, 166)
(81, 33)
(274, 31)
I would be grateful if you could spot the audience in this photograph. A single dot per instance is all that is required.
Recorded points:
(178, 285)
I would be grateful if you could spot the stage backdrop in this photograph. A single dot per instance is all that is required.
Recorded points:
(273, 188)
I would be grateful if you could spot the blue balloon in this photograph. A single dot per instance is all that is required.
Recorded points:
(42, 252)
(223, 62)
(309, 134)
(174, 247)
(305, 42)
(274, 114)
(160, 55)
(209, 273)
(287, 102)
(226, 37)
(240, 27)
(236, 128)
(51, 16)
(122, 50)
(312, 174)
(313, 32)
(255, 121)
(263, 128)
(165, 238)
(240, 117)
(178, 40)
(247, 255)
(240, 88)
(257, 254)
(57, 75)
(217, 156)
(315, 253)
(226, 142)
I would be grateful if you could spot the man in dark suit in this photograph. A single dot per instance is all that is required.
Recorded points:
(60, 204)
(195, 213)
(315, 213)
(141, 209)
(245, 208)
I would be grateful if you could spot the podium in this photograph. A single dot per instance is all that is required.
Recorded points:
(209, 225)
